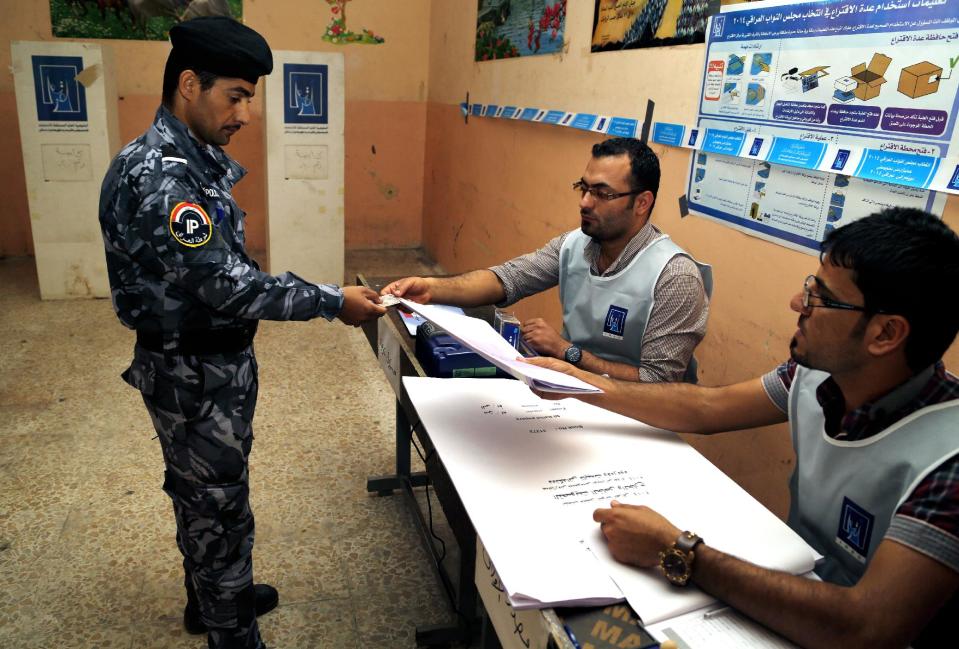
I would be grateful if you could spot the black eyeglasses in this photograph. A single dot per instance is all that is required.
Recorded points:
(825, 302)
(602, 195)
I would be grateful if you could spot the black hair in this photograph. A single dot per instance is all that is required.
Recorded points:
(171, 78)
(904, 261)
(643, 163)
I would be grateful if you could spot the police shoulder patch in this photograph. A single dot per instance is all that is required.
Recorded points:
(190, 225)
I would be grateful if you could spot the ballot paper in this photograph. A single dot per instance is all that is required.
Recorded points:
(530, 473)
(412, 320)
(480, 336)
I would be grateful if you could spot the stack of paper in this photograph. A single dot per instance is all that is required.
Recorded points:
(480, 336)
(530, 473)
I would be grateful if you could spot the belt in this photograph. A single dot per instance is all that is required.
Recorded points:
(201, 342)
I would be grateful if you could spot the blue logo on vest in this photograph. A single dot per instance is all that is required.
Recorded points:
(615, 325)
(855, 529)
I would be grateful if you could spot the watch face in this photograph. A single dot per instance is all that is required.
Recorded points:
(573, 354)
(675, 567)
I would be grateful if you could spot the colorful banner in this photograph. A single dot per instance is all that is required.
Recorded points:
(816, 114)
(511, 28)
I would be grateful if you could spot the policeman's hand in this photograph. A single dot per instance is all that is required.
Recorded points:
(543, 338)
(416, 289)
(359, 305)
(635, 533)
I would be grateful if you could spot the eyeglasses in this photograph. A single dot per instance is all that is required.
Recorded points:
(596, 192)
(825, 302)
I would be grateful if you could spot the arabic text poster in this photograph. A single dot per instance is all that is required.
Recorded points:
(876, 75)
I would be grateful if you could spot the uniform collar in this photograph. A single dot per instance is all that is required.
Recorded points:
(639, 241)
(204, 156)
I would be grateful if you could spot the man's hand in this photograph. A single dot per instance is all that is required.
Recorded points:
(601, 382)
(359, 305)
(543, 338)
(635, 534)
(416, 289)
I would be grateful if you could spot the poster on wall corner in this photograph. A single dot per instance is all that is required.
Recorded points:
(631, 24)
(144, 20)
(513, 28)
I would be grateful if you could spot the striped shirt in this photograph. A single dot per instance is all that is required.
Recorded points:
(677, 322)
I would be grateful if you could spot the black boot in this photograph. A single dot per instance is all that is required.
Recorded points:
(266, 599)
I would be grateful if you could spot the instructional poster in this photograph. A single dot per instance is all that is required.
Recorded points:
(812, 78)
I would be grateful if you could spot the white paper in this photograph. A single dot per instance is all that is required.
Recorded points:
(504, 448)
(412, 320)
(480, 336)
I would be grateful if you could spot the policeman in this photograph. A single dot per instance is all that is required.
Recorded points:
(181, 277)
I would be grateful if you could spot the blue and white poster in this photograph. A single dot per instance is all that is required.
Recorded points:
(59, 96)
(816, 80)
(305, 90)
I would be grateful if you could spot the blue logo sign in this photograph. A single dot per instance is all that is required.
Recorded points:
(855, 529)
(841, 157)
(719, 22)
(954, 182)
(60, 97)
(757, 145)
(693, 134)
(615, 325)
(305, 93)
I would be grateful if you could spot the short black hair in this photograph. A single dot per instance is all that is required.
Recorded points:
(643, 163)
(904, 261)
(171, 78)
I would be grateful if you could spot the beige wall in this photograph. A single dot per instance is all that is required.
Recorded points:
(497, 188)
(385, 103)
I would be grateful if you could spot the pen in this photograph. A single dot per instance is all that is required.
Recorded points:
(572, 637)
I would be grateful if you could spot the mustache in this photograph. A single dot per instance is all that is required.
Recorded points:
(585, 212)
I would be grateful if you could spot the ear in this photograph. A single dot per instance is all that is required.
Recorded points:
(643, 204)
(887, 334)
(188, 85)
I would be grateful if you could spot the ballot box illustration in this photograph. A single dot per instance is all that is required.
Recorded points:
(869, 78)
(919, 79)
(809, 79)
(844, 89)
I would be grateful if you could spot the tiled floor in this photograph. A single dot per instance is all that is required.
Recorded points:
(87, 553)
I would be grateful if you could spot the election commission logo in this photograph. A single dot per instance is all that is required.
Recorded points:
(190, 225)
(615, 324)
(855, 530)
(305, 93)
(58, 94)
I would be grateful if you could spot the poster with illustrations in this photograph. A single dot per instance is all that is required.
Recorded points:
(148, 20)
(811, 80)
(629, 24)
(511, 28)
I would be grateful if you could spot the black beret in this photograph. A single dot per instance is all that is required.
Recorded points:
(221, 45)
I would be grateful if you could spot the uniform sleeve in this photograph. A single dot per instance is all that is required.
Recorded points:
(677, 322)
(531, 273)
(928, 520)
(216, 275)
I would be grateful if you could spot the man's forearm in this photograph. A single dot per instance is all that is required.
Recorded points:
(475, 288)
(809, 612)
(622, 371)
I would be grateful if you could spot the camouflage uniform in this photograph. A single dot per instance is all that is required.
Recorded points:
(180, 276)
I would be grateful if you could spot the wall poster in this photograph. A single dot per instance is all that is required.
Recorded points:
(511, 28)
(629, 24)
(145, 20)
(806, 83)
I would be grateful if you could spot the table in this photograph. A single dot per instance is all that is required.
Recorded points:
(499, 624)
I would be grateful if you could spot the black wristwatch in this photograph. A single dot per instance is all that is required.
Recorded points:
(573, 355)
(676, 561)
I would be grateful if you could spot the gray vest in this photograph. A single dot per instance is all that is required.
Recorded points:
(608, 315)
(844, 494)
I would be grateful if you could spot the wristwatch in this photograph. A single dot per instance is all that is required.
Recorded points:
(573, 355)
(676, 561)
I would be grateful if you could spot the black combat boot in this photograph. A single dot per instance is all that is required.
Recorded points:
(266, 598)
